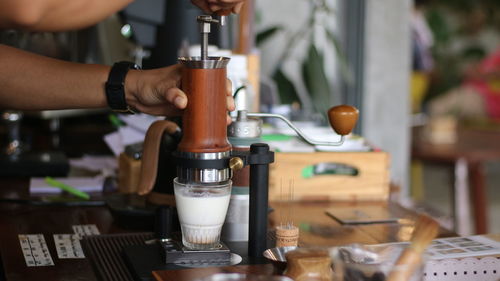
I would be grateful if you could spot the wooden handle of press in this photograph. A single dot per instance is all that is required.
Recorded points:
(343, 118)
(150, 153)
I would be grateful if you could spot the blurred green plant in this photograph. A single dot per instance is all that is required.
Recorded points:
(312, 70)
(452, 20)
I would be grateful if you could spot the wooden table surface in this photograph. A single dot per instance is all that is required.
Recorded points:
(317, 229)
(475, 147)
(473, 144)
(21, 218)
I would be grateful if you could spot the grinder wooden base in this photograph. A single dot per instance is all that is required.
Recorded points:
(370, 184)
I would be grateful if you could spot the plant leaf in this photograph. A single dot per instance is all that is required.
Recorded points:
(266, 34)
(344, 68)
(288, 93)
(442, 32)
(316, 83)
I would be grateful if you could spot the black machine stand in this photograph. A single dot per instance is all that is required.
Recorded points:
(259, 159)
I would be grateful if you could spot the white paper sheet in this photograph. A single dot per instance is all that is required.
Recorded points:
(94, 163)
(117, 141)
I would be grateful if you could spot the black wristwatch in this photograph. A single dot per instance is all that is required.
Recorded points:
(115, 87)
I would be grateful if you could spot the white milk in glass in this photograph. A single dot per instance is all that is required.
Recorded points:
(201, 216)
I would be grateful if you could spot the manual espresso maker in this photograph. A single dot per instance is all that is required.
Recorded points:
(203, 158)
(205, 162)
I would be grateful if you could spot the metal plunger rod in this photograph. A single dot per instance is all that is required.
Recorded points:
(204, 46)
(205, 22)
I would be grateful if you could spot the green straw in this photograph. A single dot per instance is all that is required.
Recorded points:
(78, 193)
(115, 121)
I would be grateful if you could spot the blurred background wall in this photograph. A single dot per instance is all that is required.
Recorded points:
(386, 115)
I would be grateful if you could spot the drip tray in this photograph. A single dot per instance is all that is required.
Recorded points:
(105, 253)
(127, 257)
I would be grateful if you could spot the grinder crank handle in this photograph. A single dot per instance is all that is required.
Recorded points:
(343, 118)
(151, 151)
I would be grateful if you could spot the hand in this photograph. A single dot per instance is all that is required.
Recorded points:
(229, 99)
(223, 6)
(157, 92)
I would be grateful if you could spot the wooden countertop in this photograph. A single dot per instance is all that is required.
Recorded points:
(22, 218)
(317, 228)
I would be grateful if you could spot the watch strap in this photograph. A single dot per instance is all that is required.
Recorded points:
(115, 86)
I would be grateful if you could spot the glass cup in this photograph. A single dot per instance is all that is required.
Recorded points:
(202, 209)
(375, 262)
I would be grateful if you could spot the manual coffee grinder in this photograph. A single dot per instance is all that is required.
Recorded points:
(204, 157)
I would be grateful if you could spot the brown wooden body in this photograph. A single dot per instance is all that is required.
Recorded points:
(204, 120)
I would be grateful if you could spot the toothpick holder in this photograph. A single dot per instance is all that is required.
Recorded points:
(287, 236)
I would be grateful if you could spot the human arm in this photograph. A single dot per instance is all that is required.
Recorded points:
(32, 82)
(56, 15)
(222, 6)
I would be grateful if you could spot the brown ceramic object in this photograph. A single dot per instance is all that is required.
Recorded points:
(204, 119)
(151, 152)
(343, 118)
(309, 264)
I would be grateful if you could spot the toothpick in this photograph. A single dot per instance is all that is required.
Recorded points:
(292, 193)
(290, 198)
(281, 203)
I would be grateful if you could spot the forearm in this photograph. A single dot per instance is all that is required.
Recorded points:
(33, 82)
(56, 15)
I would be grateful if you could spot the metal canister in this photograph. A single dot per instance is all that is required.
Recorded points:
(241, 134)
